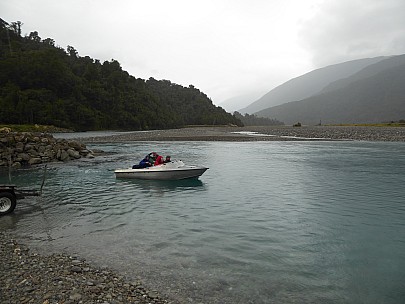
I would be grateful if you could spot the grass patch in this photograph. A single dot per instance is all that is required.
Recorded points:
(35, 128)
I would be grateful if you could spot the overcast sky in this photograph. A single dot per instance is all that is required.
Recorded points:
(225, 48)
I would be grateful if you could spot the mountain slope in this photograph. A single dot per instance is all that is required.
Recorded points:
(371, 70)
(374, 99)
(234, 103)
(308, 84)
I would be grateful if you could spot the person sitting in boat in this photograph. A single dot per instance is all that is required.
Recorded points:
(152, 157)
(167, 160)
(146, 162)
(159, 160)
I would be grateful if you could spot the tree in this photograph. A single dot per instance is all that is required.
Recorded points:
(34, 37)
(49, 41)
(16, 27)
(254, 120)
(71, 51)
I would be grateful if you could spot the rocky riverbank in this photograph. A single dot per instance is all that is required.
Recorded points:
(265, 133)
(18, 149)
(27, 277)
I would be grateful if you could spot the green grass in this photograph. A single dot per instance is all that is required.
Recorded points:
(34, 128)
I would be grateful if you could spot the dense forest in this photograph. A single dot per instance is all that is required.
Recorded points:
(41, 83)
(254, 120)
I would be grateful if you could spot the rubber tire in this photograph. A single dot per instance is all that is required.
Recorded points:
(9, 200)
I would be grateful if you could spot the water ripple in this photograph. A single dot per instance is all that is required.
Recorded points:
(305, 222)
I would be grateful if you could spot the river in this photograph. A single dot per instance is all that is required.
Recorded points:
(269, 222)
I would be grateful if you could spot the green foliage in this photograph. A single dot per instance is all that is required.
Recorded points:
(34, 128)
(41, 83)
(253, 120)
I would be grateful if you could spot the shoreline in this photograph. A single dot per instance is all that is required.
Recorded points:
(260, 133)
(30, 277)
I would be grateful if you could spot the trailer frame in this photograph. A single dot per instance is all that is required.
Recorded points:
(9, 194)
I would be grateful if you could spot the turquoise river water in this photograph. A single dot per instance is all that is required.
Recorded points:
(269, 222)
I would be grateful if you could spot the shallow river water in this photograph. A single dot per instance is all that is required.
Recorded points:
(269, 222)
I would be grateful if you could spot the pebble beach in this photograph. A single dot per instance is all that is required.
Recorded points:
(261, 133)
(29, 277)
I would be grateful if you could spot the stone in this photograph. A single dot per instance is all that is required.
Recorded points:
(84, 152)
(73, 153)
(23, 156)
(16, 165)
(64, 156)
(41, 149)
(75, 297)
(75, 145)
(49, 153)
(22, 148)
(19, 147)
(35, 160)
(28, 147)
(153, 295)
(76, 269)
(6, 130)
(32, 152)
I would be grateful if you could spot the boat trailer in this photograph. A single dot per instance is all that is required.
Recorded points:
(9, 194)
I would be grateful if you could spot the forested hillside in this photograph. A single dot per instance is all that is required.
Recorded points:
(254, 120)
(41, 83)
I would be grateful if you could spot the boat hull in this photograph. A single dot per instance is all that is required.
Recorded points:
(170, 171)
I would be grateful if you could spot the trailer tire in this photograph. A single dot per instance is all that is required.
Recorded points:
(8, 202)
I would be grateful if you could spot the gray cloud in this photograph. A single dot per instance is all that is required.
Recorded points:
(343, 30)
(224, 47)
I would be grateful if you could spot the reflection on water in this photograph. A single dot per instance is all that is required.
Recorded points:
(166, 185)
(313, 222)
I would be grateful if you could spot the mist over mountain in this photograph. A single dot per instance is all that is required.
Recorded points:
(237, 102)
(308, 84)
(374, 94)
(371, 70)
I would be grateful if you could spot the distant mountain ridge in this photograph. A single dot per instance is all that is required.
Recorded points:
(374, 94)
(308, 84)
(368, 71)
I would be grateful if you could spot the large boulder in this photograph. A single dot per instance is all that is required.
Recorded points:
(64, 156)
(34, 161)
(73, 153)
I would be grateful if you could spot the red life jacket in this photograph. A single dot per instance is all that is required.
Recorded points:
(159, 160)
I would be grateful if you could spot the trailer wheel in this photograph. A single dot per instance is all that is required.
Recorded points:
(7, 202)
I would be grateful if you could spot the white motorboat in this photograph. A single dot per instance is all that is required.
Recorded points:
(174, 170)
